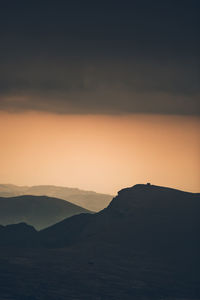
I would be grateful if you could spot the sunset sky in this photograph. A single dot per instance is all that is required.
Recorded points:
(100, 96)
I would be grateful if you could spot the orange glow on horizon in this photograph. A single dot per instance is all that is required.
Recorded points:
(101, 153)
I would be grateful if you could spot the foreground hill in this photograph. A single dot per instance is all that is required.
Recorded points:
(38, 211)
(87, 199)
(137, 215)
(144, 245)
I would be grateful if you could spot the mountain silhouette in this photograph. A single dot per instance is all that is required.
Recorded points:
(38, 211)
(144, 245)
(139, 216)
(87, 199)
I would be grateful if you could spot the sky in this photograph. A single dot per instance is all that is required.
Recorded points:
(100, 94)
(100, 153)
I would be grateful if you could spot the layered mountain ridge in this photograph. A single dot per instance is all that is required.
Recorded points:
(136, 215)
(87, 199)
(38, 211)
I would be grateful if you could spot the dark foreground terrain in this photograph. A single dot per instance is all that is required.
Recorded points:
(145, 245)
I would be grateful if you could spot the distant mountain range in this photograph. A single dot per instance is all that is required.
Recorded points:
(38, 211)
(141, 212)
(87, 199)
(144, 245)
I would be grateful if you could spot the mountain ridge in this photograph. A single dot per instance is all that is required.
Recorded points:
(141, 205)
(146, 206)
(87, 199)
(39, 211)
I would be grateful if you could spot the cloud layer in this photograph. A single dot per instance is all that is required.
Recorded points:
(114, 59)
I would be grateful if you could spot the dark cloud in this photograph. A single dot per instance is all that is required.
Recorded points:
(70, 57)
